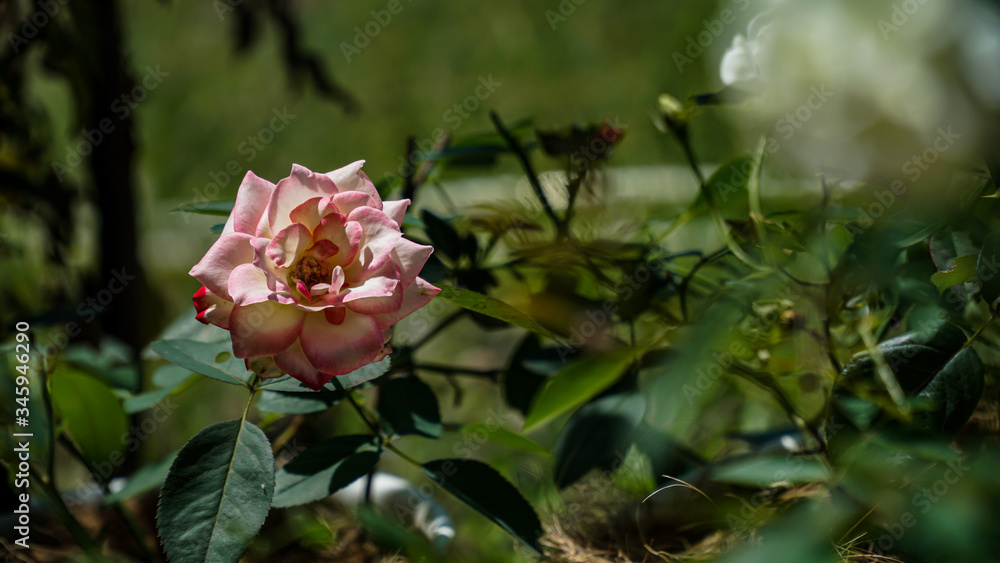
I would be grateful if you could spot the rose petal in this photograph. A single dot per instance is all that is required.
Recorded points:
(251, 201)
(289, 245)
(300, 186)
(379, 235)
(350, 178)
(340, 349)
(264, 329)
(396, 210)
(335, 315)
(410, 257)
(415, 296)
(261, 261)
(214, 269)
(293, 361)
(211, 308)
(248, 285)
(379, 294)
(307, 213)
(322, 250)
(349, 201)
(346, 235)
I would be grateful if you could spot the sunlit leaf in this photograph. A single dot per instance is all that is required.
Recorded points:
(963, 270)
(575, 384)
(491, 307)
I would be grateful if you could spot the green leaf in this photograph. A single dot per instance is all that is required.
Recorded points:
(502, 436)
(283, 402)
(143, 401)
(443, 236)
(111, 363)
(963, 270)
(220, 208)
(142, 481)
(953, 394)
(914, 357)
(491, 307)
(595, 433)
(217, 494)
(765, 471)
(325, 468)
(357, 377)
(944, 377)
(166, 379)
(200, 357)
(91, 414)
(410, 407)
(361, 375)
(530, 366)
(988, 267)
(576, 384)
(171, 377)
(728, 187)
(482, 488)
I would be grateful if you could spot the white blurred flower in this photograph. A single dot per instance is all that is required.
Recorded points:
(741, 63)
(898, 70)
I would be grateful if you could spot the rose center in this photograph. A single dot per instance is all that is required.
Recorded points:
(310, 271)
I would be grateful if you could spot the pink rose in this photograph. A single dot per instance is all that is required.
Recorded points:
(313, 271)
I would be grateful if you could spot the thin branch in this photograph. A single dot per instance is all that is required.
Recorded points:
(529, 170)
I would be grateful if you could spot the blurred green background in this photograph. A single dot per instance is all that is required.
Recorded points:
(604, 60)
